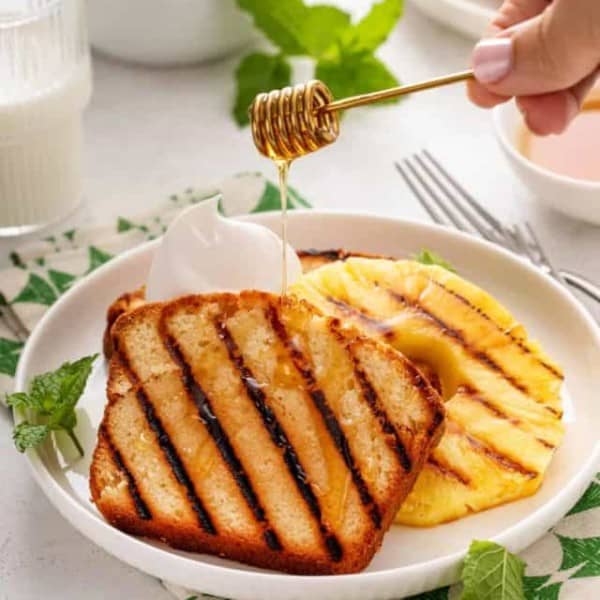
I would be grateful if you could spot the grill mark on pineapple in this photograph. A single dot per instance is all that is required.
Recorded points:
(386, 331)
(499, 458)
(550, 368)
(221, 439)
(330, 420)
(280, 439)
(448, 471)
(372, 399)
(362, 316)
(456, 335)
(140, 505)
(476, 396)
(167, 447)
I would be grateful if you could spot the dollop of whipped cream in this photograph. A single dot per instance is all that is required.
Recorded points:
(203, 252)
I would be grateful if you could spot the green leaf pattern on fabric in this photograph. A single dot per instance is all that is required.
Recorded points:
(97, 258)
(62, 281)
(439, 594)
(583, 553)
(9, 356)
(36, 290)
(591, 498)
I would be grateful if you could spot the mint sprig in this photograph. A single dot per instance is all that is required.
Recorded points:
(428, 257)
(344, 52)
(50, 404)
(490, 571)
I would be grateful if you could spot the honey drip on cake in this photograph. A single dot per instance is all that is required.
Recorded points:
(283, 168)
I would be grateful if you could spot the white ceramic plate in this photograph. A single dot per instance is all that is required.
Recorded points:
(411, 560)
(469, 17)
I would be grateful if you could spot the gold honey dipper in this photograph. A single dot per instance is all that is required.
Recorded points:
(294, 121)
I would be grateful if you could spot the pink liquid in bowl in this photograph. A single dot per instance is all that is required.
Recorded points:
(575, 153)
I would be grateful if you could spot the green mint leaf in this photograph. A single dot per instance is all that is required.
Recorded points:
(354, 74)
(258, 73)
(371, 31)
(492, 572)
(281, 22)
(19, 400)
(71, 379)
(51, 399)
(427, 257)
(322, 27)
(26, 435)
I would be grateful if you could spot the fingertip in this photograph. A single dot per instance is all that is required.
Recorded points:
(482, 97)
(548, 113)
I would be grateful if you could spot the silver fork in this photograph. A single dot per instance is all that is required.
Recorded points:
(12, 321)
(448, 203)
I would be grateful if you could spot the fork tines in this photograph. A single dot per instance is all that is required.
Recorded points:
(448, 203)
(12, 321)
(445, 200)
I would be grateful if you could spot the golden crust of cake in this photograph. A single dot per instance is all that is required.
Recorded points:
(254, 428)
(310, 260)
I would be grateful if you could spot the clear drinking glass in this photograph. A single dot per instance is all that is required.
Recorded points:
(45, 83)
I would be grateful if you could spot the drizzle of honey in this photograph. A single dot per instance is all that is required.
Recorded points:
(283, 169)
(574, 153)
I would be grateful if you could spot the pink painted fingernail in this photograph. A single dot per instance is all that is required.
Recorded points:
(493, 59)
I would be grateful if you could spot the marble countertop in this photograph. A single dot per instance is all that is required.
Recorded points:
(151, 132)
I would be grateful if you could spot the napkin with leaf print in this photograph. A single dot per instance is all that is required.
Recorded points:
(563, 565)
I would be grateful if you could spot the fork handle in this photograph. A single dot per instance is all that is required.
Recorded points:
(582, 284)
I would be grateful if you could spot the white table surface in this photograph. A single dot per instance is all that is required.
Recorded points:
(151, 132)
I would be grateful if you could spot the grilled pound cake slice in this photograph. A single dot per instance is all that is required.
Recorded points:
(251, 427)
(309, 259)
(503, 406)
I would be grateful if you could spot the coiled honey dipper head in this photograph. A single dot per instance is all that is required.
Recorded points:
(289, 123)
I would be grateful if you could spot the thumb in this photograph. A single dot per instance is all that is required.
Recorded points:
(550, 52)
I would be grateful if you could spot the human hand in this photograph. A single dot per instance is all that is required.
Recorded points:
(546, 53)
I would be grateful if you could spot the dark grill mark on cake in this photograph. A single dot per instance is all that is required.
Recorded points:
(140, 505)
(219, 436)
(372, 399)
(515, 340)
(331, 423)
(168, 448)
(279, 438)
(429, 393)
(328, 255)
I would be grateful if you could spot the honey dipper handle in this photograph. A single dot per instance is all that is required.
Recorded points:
(397, 91)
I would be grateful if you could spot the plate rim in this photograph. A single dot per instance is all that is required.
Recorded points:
(100, 531)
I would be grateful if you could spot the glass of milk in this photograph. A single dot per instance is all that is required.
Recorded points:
(45, 83)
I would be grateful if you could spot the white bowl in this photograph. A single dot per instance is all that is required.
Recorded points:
(167, 32)
(577, 198)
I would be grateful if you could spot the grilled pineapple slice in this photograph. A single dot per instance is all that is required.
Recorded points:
(501, 390)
